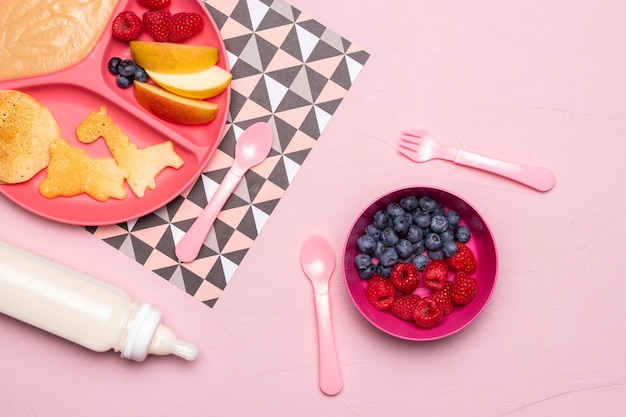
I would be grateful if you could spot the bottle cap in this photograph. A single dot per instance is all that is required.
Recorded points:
(141, 333)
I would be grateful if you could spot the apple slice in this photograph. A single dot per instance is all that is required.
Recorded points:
(172, 107)
(202, 84)
(173, 58)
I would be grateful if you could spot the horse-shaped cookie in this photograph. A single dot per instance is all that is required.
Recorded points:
(143, 165)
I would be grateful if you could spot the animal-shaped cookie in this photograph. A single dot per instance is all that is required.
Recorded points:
(72, 171)
(143, 165)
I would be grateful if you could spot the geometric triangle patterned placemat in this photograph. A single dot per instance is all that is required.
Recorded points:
(289, 71)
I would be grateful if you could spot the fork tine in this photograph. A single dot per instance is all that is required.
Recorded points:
(408, 153)
(409, 143)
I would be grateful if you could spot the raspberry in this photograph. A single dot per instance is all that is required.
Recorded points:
(154, 4)
(380, 292)
(127, 26)
(157, 24)
(435, 275)
(405, 277)
(464, 288)
(427, 313)
(443, 297)
(404, 306)
(185, 25)
(463, 260)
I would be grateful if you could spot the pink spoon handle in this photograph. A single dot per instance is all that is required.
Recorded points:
(331, 381)
(189, 246)
(541, 179)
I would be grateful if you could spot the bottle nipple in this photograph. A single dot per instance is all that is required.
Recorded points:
(166, 343)
(185, 350)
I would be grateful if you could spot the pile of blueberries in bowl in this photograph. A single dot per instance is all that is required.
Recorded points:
(415, 230)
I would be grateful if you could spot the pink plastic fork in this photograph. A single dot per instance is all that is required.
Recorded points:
(420, 146)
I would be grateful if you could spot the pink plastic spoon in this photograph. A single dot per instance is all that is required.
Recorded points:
(318, 262)
(252, 148)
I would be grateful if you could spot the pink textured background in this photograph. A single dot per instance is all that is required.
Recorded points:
(537, 82)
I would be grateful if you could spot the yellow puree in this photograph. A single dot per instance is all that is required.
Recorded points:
(42, 36)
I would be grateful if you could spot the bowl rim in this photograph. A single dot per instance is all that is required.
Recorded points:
(416, 190)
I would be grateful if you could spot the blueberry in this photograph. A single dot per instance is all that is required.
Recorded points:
(113, 64)
(366, 244)
(420, 262)
(388, 256)
(433, 241)
(373, 231)
(404, 248)
(379, 248)
(421, 219)
(427, 204)
(419, 247)
(126, 68)
(394, 210)
(449, 248)
(440, 210)
(141, 74)
(438, 223)
(388, 236)
(453, 219)
(409, 203)
(436, 255)
(362, 261)
(122, 81)
(414, 234)
(462, 234)
(381, 219)
(401, 225)
(368, 272)
(447, 235)
(384, 271)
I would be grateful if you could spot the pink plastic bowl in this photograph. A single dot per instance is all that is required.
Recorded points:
(482, 244)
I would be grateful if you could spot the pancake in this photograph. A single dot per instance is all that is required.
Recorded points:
(27, 128)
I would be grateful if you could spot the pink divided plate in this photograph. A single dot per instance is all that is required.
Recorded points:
(73, 93)
(482, 244)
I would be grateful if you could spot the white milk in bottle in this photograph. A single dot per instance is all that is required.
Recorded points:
(82, 309)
